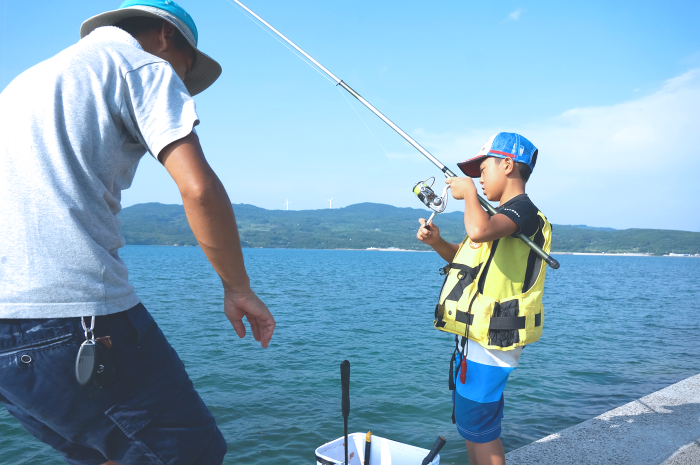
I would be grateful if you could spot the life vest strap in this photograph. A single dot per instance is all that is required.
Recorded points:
(466, 318)
(497, 322)
(464, 270)
(507, 322)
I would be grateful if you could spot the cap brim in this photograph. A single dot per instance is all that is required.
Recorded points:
(205, 70)
(472, 166)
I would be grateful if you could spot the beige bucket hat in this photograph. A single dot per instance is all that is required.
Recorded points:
(205, 69)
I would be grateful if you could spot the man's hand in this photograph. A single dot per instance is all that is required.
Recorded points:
(236, 306)
(210, 215)
(460, 187)
(428, 236)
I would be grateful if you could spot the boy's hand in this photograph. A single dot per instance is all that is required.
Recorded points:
(428, 236)
(460, 187)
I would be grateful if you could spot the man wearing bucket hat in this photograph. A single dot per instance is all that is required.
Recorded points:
(83, 365)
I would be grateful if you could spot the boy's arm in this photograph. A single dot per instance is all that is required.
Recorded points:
(432, 237)
(480, 226)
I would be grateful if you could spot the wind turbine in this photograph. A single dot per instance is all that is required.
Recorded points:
(331, 203)
(287, 203)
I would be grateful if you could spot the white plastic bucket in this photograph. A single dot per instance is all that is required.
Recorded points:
(383, 452)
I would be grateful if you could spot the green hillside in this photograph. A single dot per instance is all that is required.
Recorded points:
(375, 225)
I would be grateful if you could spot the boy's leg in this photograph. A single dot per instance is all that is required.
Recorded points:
(488, 453)
(479, 421)
(472, 454)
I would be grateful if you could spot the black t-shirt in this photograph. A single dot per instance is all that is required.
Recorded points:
(523, 212)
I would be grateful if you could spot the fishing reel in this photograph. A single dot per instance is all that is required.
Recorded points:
(430, 199)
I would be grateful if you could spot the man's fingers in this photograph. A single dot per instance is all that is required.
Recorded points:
(261, 321)
(265, 341)
(267, 331)
(422, 221)
(253, 322)
(239, 327)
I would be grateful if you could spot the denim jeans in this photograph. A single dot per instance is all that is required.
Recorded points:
(151, 414)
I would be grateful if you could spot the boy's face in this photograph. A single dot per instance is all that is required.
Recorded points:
(493, 178)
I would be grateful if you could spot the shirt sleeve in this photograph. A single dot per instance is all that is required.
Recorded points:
(524, 215)
(159, 107)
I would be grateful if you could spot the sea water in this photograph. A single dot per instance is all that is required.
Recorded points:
(616, 329)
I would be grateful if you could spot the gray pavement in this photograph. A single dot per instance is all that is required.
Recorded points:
(661, 428)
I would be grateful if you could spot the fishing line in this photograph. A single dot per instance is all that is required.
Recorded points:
(445, 170)
(302, 58)
(4, 46)
(315, 68)
(368, 129)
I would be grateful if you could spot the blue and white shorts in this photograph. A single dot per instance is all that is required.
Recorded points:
(478, 403)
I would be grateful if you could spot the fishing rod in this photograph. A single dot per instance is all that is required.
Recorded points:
(436, 203)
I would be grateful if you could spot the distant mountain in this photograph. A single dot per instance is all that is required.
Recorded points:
(583, 226)
(366, 225)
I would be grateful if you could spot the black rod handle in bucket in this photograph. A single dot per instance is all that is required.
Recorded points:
(345, 383)
(439, 442)
(345, 402)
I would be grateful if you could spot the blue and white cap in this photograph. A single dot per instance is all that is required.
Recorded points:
(502, 145)
(205, 69)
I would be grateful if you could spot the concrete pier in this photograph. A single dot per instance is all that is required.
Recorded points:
(661, 428)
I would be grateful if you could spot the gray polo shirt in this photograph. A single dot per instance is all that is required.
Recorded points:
(72, 131)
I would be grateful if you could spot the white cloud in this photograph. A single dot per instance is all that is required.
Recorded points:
(634, 164)
(515, 15)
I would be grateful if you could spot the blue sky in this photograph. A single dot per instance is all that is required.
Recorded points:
(609, 91)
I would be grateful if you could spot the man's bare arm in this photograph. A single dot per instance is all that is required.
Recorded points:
(212, 220)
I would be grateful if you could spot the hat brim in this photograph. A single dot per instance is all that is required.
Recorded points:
(203, 73)
(472, 167)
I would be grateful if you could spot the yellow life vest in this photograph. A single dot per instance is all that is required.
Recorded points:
(492, 293)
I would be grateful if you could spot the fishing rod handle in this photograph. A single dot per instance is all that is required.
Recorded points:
(542, 254)
(345, 384)
(368, 447)
(439, 442)
(536, 248)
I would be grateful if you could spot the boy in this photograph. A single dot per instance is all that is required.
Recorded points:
(492, 295)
